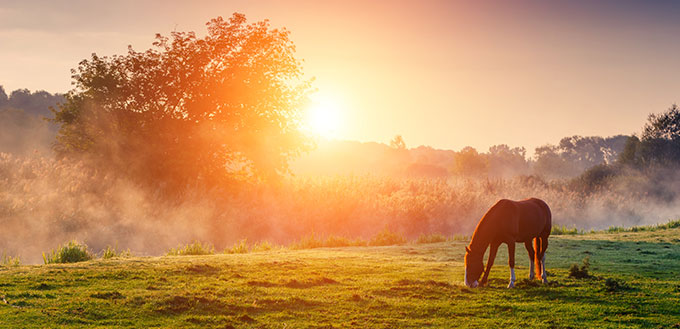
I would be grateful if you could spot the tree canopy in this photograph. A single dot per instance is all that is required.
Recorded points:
(191, 109)
(659, 143)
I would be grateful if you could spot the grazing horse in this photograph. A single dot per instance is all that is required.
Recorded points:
(509, 222)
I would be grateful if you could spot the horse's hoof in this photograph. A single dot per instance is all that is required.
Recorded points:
(545, 281)
(511, 285)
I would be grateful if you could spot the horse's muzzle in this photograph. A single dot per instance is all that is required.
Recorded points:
(470, 285)
(474, 284)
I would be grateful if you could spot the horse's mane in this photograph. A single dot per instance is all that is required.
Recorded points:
(481, 236)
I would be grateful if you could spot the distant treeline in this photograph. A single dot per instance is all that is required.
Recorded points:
(36, 103)
(569, 158)
(23, 125)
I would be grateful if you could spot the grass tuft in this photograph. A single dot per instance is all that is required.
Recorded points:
(387, 238)
(430, 238)
(192, 249)
(240, 247)
(644, 228)
(613, 285)
(114, 252)
(7, 260)
(262, 246)
(580, 272)
(71, 252)
(564, 230)
(459, 237)
(309, 242)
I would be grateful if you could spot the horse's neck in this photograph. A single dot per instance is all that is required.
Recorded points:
(482, 236)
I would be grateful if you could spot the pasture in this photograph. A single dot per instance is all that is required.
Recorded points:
(634, 282)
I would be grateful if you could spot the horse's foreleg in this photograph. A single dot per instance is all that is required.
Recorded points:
(511, 262)
(530, 250)
(489, 263)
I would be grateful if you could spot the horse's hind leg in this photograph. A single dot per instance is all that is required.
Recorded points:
(544, 247)
(511, 263)
(530, 250)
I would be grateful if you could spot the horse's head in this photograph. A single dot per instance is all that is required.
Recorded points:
(473, 268)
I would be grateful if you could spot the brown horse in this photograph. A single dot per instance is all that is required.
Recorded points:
(509, 222)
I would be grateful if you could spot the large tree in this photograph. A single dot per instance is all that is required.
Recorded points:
(191, 110)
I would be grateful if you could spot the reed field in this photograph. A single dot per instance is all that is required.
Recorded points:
(48, 201)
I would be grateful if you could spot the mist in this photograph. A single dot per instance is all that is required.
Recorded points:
(346, 189)
(46, 202)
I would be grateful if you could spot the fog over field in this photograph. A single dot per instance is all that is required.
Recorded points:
(341, 188)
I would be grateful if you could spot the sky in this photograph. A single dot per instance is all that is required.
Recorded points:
(447, 74)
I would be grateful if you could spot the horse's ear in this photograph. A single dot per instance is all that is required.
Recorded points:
(467, 249)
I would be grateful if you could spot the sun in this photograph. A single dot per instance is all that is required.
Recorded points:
(323, 115)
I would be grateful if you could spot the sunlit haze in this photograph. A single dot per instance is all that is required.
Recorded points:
(442, 73)
(324, 115)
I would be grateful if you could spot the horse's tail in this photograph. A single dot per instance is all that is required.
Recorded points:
(537, 256)
(541, 241)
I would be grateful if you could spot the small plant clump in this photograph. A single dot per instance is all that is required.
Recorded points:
(72, 252)
(311, 242)
(580, 272)
(387, 238)
(240, 247)
(113, 252)
(613, 285)
(262, 246)
(7, 260)
(459, 237)
(430, 238)
(644, 228)
(564, 230)
(192, 249)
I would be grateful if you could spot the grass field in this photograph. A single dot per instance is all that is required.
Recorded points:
(635, 282)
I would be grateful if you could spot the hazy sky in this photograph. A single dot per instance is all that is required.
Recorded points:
(441, 73)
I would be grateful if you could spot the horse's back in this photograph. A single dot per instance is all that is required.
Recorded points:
(535, 218)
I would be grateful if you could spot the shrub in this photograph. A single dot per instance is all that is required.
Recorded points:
(6, 260)
(596, 177)
(111, 252)
(386, 238)
(195, 248)
(240, 247)
(431, 238)
(71, 252)
(581, 272)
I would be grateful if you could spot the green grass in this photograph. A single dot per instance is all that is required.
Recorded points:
(633, 282)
